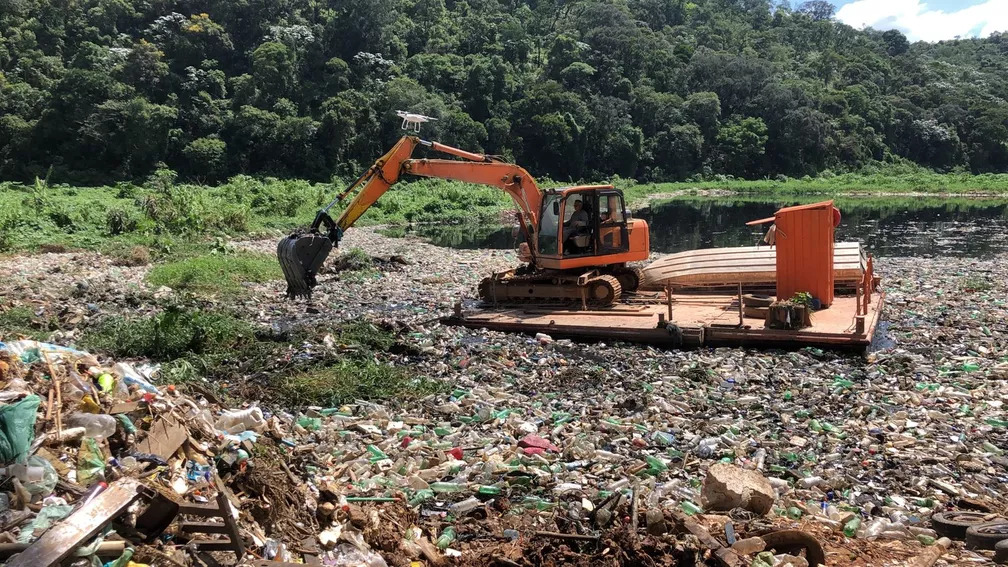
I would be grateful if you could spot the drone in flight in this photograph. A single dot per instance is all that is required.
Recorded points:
(411, 121)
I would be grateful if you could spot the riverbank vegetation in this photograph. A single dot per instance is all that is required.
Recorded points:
(165, 219)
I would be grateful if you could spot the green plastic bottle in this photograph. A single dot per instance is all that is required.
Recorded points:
(376, 454)
(690, 508)
(421, 496)
(310, 423)
(655, 466)
(447, 536)
(851, 527)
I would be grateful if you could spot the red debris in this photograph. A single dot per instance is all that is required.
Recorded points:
(536, 442)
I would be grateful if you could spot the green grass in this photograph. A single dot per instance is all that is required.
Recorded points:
(20, 321)
(216, 348)
(168, 335)
(357, 379)
(215, 273)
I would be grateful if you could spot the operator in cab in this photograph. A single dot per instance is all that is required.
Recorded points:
(578, 225)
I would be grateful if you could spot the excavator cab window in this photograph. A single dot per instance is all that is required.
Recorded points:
(612, 231)
(549, 225)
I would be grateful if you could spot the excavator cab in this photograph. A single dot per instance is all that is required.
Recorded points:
(590, 222)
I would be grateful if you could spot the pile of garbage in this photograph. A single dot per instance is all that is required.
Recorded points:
(104, 465)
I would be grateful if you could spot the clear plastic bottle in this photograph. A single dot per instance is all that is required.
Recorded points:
(465, 506)
(97, 426)
(447, 487)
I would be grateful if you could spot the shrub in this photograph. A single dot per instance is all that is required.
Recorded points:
(119, 221)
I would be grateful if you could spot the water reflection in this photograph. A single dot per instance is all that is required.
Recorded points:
(886, 228)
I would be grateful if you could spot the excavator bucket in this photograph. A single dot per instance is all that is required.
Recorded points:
(301, 255)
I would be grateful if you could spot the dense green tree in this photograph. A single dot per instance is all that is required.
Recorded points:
(741, 146)
(100, 90)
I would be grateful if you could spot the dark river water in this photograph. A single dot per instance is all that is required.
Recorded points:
(903, 227)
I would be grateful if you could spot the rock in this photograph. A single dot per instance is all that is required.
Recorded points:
(726, 487)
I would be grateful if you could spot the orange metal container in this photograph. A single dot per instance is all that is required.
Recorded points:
(804, 243)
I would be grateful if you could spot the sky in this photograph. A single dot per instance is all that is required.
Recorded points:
(927, 20)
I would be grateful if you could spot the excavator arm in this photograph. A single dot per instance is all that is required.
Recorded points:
(302, 253)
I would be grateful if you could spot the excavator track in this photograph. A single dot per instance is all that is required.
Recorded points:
(507, 288)
(630, 278)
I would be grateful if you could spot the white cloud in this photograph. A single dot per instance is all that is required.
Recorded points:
(918, 22)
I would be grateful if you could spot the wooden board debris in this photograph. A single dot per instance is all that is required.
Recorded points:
(62, 539)
(165, 437)
(124, 407)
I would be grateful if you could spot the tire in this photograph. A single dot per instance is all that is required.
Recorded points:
(954, 524)
(986, 536)
(794, 542)
(750, 300)
(1001, 552)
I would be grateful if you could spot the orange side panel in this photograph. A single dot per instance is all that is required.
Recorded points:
(805, 253)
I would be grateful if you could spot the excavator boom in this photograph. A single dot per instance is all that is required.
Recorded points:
(301, 254)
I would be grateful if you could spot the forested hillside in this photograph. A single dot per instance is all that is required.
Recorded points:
(93, 91)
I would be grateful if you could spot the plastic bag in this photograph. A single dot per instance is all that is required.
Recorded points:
(90, 463)
(45, 486)
(17, 428)
(134, 377)
(46, 517)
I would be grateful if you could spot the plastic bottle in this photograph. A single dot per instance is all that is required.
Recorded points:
(690, 508)
(447, 487)
(376, 454)
(23, 472)
(240, 421)
(707, 447)
(310, 423)
(446, 538)
(421, 496)
(851, 527)
(488, 490)
(465, 506)
(97, 426)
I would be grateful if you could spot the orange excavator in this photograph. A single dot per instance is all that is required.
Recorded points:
(578, 240)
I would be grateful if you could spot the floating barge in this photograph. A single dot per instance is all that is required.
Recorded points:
(695, 308)
(697, 320)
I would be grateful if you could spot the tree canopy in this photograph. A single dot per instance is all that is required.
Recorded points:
(103, 90)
